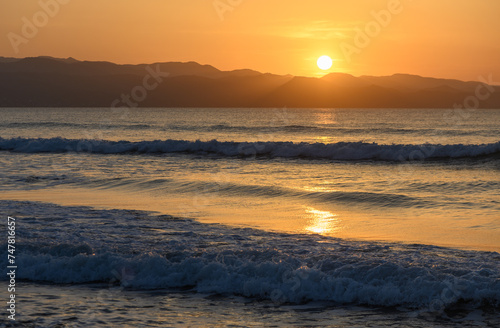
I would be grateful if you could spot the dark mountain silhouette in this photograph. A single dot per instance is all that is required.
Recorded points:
(54, 82)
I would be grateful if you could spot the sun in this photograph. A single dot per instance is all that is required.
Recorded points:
(325, 62)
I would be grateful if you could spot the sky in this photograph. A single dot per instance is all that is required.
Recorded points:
(439, 38)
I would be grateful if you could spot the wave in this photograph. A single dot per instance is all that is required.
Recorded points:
(102, 125)
(32, 182)
(330, 129)
(335, 151)
(142, 251)
(456, 187)
(269, 275)
(232, 189)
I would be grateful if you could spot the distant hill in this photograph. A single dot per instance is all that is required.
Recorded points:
(55, 82)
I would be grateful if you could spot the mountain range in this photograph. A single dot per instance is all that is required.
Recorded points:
(55, 82)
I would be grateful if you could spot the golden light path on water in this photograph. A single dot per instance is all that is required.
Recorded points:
(322, 222)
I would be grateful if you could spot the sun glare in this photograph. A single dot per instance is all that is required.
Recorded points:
(325, 62)
(322, 222)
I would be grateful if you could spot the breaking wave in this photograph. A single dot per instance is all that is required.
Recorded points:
(347, 151)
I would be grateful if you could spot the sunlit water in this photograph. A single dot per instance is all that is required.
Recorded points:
(394, 179)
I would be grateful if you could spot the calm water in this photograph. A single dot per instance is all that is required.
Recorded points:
(338, 208)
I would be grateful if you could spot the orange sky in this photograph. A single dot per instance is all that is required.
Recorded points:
(441, 38)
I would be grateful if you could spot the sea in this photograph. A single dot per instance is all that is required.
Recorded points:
(250, 217)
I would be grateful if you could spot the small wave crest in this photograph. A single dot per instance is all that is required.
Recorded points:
(231, 189)
(18, 125)
(325, 129)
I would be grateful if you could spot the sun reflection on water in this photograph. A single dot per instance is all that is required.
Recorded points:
(325, 117)
(322, 222)
(324, 139)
